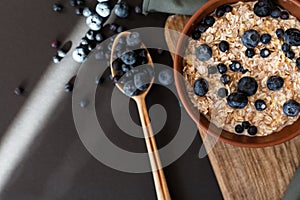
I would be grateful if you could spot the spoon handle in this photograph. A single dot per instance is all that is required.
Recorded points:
(160, 183)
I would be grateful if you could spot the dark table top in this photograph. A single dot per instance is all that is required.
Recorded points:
(57, 165)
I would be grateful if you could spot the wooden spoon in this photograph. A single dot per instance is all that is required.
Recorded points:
(160, 183)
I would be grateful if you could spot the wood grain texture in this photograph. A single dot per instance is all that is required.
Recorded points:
(244, 173)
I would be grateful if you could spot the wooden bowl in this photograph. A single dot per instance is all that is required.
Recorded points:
(287, 133)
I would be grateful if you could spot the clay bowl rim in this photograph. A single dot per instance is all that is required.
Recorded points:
(236, 140)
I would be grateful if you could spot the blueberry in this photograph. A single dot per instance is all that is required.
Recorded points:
(291, 108)
(212, 69)
(225, 79)
(222, 68)
(142, 80)
(276, 12)
(263, 9)
(209, 21)
(165, 77)
(247, 85)
(103, 9)
(200, 87)
(239, 128)
(79, 11)
(129, 57)
(260, 105)
(113, 27)
(196, 35)
(80, 2)
(69, 87)
(250, 53)
(298, 63)
(129, 88)
(19, 91)
(290, 54)
(73, 3)
(222, 92)
(237, 100)
(57, 7)
(250, 38)
(122, 10)
(280, 33)
(224, 46)
(203, 52)
(285, 47)
(235, 66)
(246, 124)
(94, 22)
(220, 11)
(117, 64)
(98, 37)
(56, 59)
(284, 15)
(265, 38)
(275, 83)
(252, 130)
(138, 9)
(90, 35)
(292, 37)
(84, 41)
(201, 27)
(80, 54)
(133, 39)
(120, 29)
(86, 12)
(227, 8)
(265, 52)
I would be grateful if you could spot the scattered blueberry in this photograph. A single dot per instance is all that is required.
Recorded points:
(200, 87)
(222, 68)
(284, 15)
(224, 46)
(98, 37)
(120, 29)
(252, 130)
(203, 52)
(79, 11)
(247, 85)
(80, 2)
(61, 53)
(222, 92)
(133, 39)
(90, 35)
(250, 53)
(225, 79)
(138, 9)
(235, 66)
(80, 54)
(19, 91)
(113, 27)
(220, 11)
(196, 35)
(57, 7)
(73, 3)
(263, 8)
(94, 22)
(55, 43)
(280, 33)
(292, 37)
(103, 9)
(265, 38)
(290, 54)
(237, 100)
(69, 87)
(285, 47)
(260, 105)
(291, 108)
(86, 12)
(212, 69)
(250, 38)
(91, 46)
(276, 12)
(122, 10)
(165, 77)
(265, 52)
(84, 41)
(275, 83)
(56, 59)
(246, 124)
(129, 57)
(209, 20)
(239, 128)
(298, 63)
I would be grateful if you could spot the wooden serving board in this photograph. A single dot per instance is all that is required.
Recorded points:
(246, 173)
